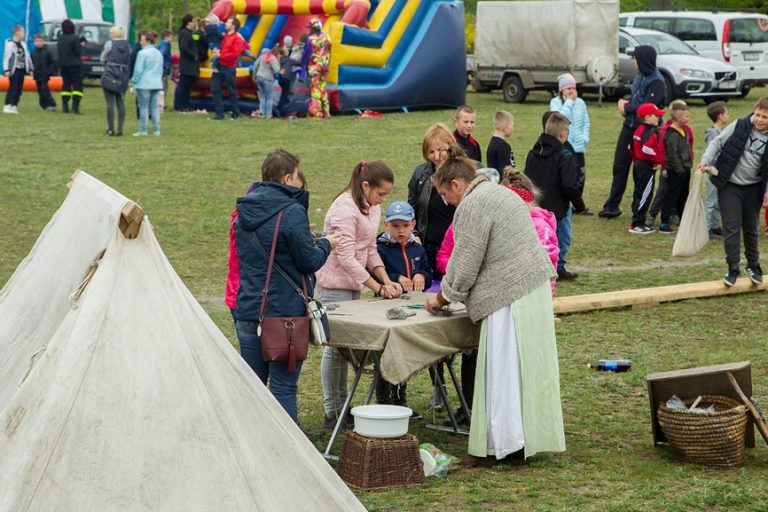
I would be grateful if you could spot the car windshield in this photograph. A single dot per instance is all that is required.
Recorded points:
(97, 34)
(749, 30)
(665, 44)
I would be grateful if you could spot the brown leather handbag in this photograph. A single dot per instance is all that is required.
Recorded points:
(283, 338)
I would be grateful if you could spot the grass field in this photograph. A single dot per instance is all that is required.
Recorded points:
(187, 181)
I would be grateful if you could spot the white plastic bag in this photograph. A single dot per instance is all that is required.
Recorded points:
(693, 233)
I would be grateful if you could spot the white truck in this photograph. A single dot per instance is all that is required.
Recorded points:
(520, 46)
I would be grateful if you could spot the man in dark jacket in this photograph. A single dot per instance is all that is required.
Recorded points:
(45, 67)
(71, 66)
(554, 170)
(189, 64)
(648, 87)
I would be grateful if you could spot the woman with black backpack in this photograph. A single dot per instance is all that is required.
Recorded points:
(116, 58)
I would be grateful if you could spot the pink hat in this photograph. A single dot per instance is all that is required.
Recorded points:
(565, 81)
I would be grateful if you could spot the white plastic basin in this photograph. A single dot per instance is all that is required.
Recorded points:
(382, 421)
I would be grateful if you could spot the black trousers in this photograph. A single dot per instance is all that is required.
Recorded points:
(644, 178)
(44, 95)
(15, 87)
(677, 194)
(115, 100)
(621, 164)
(658, 199)
(183, 92)
(740, 211)
(72, 78)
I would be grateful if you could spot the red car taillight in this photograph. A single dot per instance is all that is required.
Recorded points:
(727, 41)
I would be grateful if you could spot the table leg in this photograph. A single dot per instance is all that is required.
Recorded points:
(359, 369)
(440, 385)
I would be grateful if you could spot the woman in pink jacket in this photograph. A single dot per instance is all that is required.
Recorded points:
(354, 265)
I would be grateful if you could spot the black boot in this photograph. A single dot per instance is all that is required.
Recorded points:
(65, 105)
(76, 104)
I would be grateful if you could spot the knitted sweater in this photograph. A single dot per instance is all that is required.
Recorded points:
(496, 259)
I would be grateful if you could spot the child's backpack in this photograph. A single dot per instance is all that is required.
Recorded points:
(658, 144)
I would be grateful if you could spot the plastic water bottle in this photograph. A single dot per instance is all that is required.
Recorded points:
(611, 365)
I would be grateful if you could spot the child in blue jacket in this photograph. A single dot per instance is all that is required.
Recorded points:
(406, 263)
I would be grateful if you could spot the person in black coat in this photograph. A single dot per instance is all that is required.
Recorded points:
(554, 170)
(297, 254)
(189, 64)
(648, 87)
(45, 67)
(71, 66)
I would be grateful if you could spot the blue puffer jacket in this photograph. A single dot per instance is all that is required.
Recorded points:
(297, 252)
(404, 260)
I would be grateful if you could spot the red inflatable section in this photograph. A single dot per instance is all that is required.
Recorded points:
(29, 84)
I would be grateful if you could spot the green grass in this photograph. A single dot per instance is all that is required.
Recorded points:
(188, 180)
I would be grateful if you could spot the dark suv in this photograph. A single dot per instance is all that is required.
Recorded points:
(94, 34)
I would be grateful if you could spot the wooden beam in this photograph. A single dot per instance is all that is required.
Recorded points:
(131, 217)
(652, 296)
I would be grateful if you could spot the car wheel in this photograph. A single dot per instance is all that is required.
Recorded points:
(745, 91)
(669, 90)
(513, 89)
(712, 99)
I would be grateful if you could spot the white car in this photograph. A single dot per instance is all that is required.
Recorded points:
(686, 73)
(738, 38)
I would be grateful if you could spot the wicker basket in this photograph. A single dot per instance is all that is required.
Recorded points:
(712, 439)
(371, 463)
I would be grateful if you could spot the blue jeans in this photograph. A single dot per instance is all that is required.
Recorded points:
(283, 385)
(226, 75)
(148, 103)
(265, 95)
(564, 231)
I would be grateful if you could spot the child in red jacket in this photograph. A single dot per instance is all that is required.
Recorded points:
(646, 156)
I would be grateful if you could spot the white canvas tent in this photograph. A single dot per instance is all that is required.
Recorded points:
(138, 401)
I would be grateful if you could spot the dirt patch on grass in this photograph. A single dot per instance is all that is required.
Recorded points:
(607, 266)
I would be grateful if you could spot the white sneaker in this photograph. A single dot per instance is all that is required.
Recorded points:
(7, 109)
(15, 109)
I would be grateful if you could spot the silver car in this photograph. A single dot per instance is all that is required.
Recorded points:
(686, 73)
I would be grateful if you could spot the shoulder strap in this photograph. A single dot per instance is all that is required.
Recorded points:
(271, 260)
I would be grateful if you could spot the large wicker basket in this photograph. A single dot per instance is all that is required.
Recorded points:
(371, 463)
(712, 439)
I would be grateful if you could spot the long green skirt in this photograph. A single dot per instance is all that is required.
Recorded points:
(521, 341)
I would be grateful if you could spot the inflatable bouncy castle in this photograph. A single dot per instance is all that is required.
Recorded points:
(385, 55)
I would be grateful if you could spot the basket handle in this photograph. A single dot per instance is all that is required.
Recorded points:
(758, 419)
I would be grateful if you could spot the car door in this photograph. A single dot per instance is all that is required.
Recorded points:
(699, 33)
(627, 69)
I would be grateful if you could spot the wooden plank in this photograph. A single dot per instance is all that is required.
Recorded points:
(131, 217)
(756, 416)
(651, 296)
